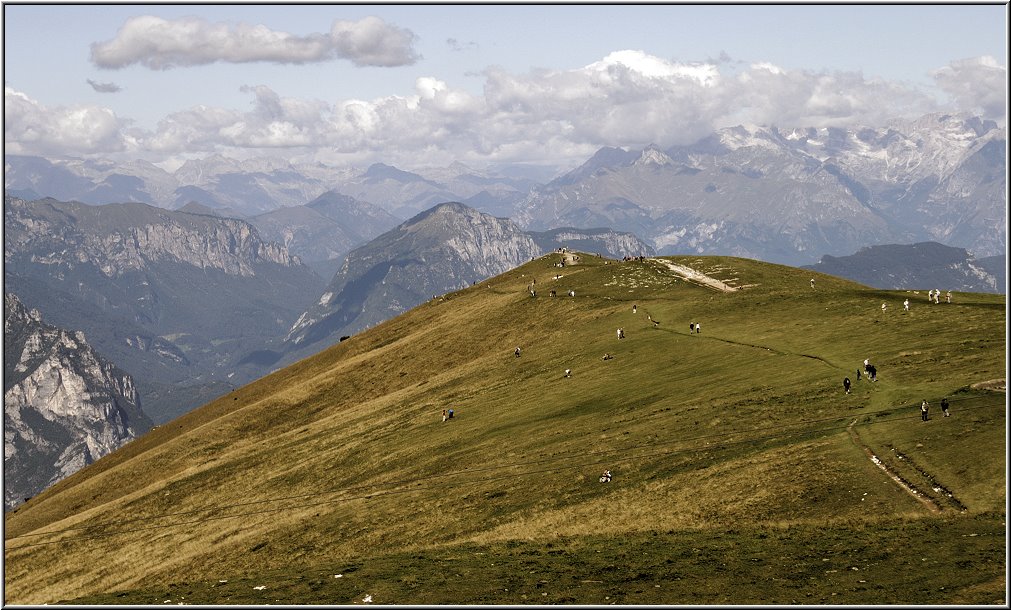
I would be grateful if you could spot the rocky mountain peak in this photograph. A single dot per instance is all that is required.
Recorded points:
(64, 405)
(653, 156)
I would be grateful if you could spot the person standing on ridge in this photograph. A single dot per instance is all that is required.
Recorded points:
(924, 407)
(944, 406)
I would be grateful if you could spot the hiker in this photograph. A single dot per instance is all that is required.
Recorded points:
(691, 328)
(551, 294)
(924, 406)
(450, 414)
(846, 384)
(812, 282)
(698, 328)
(930, 295)
(633, 308)
(883, 307)
(947, 297)
(517, 352)
(905, 304)
(444, 416)
(606, 477)
(873, 372)
(944, 406)
(937, 297)
(858, 374)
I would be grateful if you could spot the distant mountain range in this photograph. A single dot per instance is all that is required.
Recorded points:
(781, 194)
(790, 196)
(924, 266)
(64, 405)
(175, 299)
(326, 228)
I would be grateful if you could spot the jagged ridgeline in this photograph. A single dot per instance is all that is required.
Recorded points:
(742, 472)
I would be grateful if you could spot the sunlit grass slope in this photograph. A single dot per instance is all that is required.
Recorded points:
(742, 471)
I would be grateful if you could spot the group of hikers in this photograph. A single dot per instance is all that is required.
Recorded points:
(925, 407)
(872, 374)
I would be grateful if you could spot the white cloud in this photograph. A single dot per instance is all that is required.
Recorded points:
(161, 44)
(373, 42)
(32, 128)
(978, 84)
(628, 98)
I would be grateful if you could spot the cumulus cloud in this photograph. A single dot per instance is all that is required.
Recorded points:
(161, 44)
(628, 98)
(104, 87)
(976, 84)
(33, 128)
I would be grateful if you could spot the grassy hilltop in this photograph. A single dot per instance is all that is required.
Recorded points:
(742, 471)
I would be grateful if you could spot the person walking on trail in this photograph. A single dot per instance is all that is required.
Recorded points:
(947, 297)
(691, 328)
(633, 308)
(937, 297)
(944, 406)
(698, 328)
(858, 374)
(812, 282)
(924, 407)
(846, 384)
(872, 372)
(905, 304)
(444, 416)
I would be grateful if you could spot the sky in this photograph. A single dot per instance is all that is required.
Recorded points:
(487, 84)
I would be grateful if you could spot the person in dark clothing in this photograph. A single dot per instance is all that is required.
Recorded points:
(924, 407)
(944, 406)
(846, 384)
(858, 374)
(872, 371)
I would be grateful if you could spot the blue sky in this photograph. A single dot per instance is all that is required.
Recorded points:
(476, 83)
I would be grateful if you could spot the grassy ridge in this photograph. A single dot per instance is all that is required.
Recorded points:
(343, 458)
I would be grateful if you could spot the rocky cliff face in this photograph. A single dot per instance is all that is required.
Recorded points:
(64, 405)
(176, 299)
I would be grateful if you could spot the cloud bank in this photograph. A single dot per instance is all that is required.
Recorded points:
(628, 98)
(161, 44)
